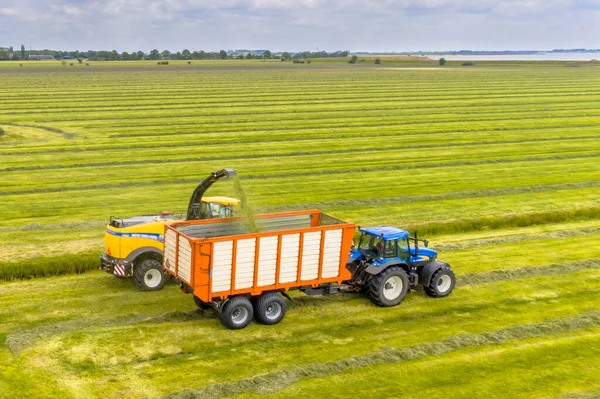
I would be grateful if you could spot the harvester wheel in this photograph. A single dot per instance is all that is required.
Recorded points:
(441, 283)
(389, 287)
(236, 313)
(269, 308)
(149, 276)
(201, 304)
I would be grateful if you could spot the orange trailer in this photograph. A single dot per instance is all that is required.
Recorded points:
(239, 272)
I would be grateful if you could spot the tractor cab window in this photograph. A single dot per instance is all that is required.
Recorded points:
(371, 245)
(403, 250)
(390, 249)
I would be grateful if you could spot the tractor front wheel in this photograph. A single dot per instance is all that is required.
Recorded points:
(441, 283)
(389, 287)
(149, 276)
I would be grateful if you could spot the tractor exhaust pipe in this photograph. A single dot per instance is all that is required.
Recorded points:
(194, 206)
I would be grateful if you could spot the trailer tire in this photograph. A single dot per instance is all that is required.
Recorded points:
(236, 313)
(269, 308)
(389, 287)
(149, 275)
(441, 283)
(201, 304)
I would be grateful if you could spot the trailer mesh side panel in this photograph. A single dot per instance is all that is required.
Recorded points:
(290, 246)
(267, 260)
(184, 259)
(170, 248)
(244, 263)
(222, 260)
(310, 256)
(331, 253)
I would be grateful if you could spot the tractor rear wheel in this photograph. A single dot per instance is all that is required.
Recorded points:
(149, 276)
(236, 313)
(269, 308)
(441, 283)
(389, 287)
(201, 304)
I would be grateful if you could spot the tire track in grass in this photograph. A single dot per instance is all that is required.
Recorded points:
(516, 239)
(276, 380)
(66, 135)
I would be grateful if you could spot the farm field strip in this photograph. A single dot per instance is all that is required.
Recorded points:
(474, 105)
(498, 166)
(489, 367)
(480, 102)
(43, 204)
(376, 151)
(550, 300)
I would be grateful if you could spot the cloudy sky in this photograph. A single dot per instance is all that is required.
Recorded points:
(355, 25)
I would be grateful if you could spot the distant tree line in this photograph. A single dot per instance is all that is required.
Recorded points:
(155, 54)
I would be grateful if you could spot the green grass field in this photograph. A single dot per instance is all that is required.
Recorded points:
(497, 165)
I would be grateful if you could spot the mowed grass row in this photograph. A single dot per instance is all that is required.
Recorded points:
(115, 342)
(461, 188)
(391, 153)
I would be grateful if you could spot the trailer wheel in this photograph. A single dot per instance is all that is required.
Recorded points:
(201, 304)
(236, 313)
(269, 308)
(149, 275)
(389, 287)
(441, 283)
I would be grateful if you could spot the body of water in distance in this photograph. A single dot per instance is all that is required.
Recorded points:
(520, 57)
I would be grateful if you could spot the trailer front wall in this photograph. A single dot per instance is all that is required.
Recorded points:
(274, 261)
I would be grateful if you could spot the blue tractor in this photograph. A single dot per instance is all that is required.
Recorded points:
(388, 262)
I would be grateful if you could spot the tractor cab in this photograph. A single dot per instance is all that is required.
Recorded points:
(381, 244)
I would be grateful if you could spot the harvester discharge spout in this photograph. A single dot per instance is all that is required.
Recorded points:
(193, 211)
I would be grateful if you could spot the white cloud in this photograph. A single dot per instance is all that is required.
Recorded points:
(382, 25)
(9, 11)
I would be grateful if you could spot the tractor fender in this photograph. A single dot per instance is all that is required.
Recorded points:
(374, 270)
(428, 270)
(143, 250)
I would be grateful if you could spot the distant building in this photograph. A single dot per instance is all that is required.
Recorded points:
(41, 57)
(245, 52)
